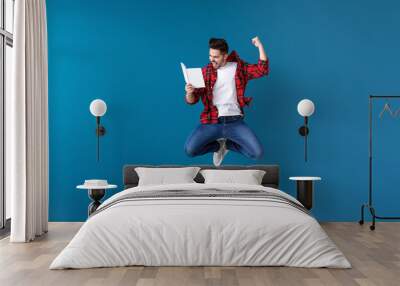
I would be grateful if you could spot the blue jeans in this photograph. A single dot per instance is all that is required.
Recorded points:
(240, 138)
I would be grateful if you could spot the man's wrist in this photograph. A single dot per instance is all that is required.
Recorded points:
(189, 98)
(263, 55)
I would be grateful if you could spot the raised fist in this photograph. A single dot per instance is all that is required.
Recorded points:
(256, 42)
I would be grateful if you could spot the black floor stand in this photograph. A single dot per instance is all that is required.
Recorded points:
(374, 216)
(369, 204)
(372, 210)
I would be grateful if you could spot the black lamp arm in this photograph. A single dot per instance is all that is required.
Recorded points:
(303, 130)
(100, 130)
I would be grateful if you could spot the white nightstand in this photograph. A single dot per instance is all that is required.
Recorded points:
(96, 191)
(305, 187)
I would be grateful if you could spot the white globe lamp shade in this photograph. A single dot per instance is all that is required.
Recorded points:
(305, 107)
(98, 107)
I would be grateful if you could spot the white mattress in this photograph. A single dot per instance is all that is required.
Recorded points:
(200, 231)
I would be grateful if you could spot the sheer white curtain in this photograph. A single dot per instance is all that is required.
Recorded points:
(27, 124)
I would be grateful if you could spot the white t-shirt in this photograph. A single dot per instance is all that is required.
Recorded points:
(224, 91)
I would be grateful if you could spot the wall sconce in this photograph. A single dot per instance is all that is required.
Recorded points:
(98, 108)
(306, 109)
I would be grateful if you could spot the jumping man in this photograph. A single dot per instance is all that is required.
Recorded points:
(222, 127)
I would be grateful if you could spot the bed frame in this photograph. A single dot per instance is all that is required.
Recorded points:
(271, 177)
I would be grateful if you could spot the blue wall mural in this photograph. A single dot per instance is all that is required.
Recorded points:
(127, 53)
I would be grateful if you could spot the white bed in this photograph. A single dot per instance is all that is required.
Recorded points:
(205, 230)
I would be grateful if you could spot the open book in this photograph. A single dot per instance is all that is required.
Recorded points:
(194, 76)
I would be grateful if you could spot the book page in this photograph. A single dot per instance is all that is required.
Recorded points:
(194, 76)
(184, 72)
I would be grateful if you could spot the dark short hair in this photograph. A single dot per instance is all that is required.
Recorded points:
(218, 44)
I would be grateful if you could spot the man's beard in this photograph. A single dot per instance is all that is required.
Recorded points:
(218, 65)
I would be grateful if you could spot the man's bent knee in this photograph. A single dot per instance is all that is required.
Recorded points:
(190, 151)
(257, 154)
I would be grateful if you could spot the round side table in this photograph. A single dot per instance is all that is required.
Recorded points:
(95, 193)
(305, 187)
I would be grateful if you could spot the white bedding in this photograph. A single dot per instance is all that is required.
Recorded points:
(200, 231)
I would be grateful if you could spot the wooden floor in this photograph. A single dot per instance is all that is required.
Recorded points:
(375, 257)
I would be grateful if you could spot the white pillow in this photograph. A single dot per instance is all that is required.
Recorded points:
(162, 176)
(249, 177)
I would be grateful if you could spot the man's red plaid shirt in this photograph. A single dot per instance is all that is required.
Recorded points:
(244, 73)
